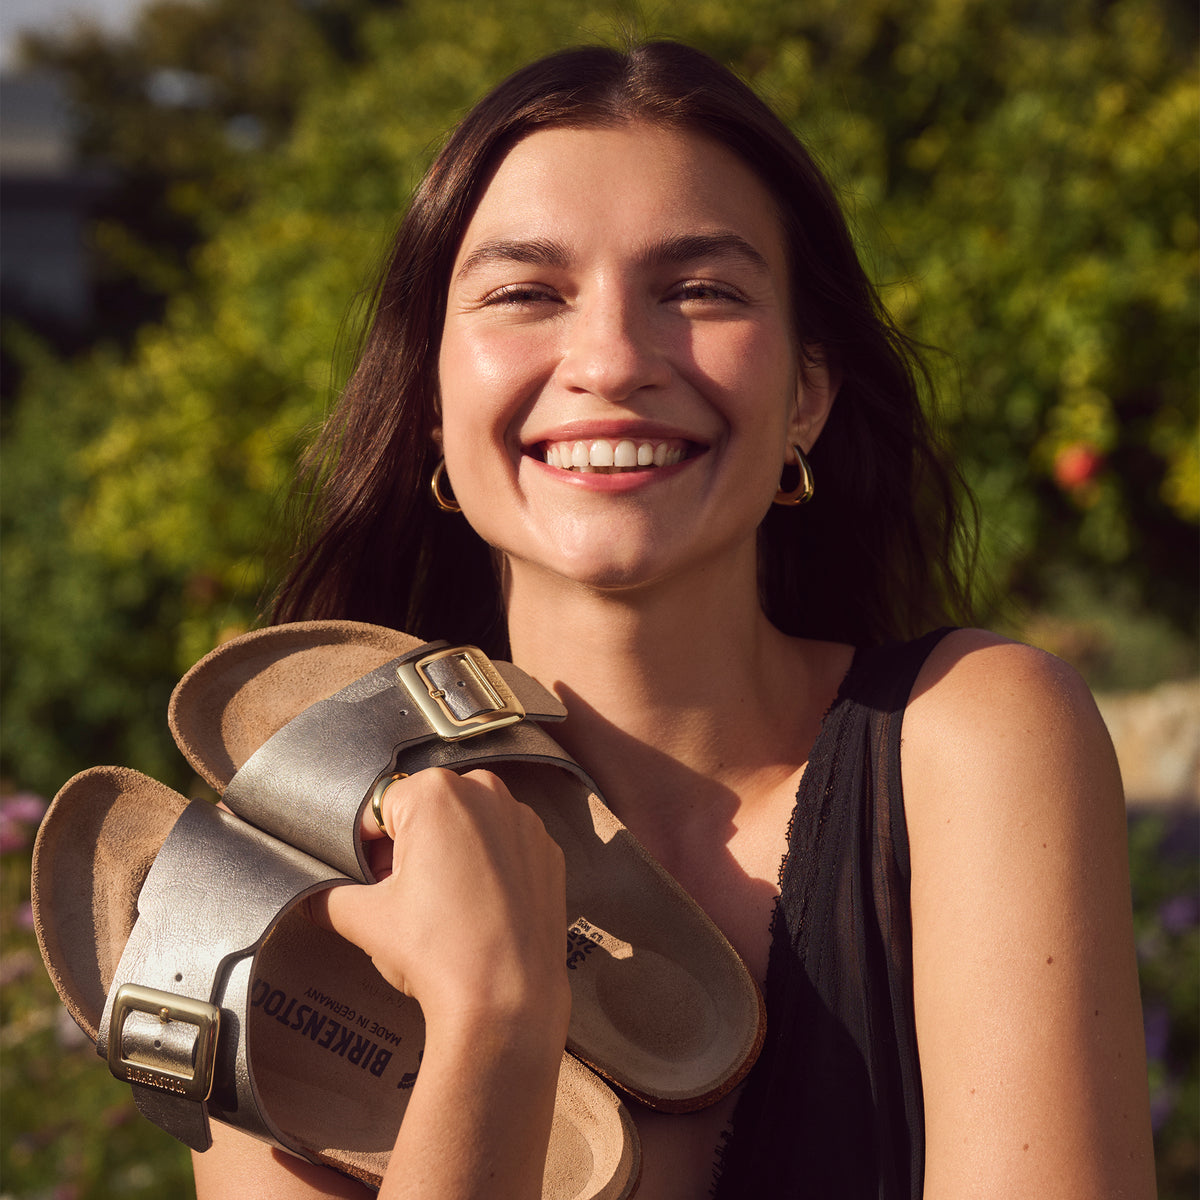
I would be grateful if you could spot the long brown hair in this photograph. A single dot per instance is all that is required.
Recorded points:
(879, 553)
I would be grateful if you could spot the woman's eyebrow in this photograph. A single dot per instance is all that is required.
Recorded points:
(535, 252)
(669, 251)
(688, 247)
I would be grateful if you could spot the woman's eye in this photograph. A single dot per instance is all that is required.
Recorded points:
(699, 290)
(518, 294)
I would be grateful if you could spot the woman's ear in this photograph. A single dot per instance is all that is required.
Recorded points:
(816, 389)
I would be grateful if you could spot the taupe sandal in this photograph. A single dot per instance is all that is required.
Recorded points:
(176, 936)
(298, 726)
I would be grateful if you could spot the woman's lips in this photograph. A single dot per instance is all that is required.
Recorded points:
(612, 455)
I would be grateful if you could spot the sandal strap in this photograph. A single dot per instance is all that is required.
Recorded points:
(175, 1019)
(438, 705)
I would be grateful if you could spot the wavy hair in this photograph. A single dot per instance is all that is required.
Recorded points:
(884, 549)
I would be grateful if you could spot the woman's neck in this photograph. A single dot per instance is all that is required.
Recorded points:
(694, 715)
(685, 675)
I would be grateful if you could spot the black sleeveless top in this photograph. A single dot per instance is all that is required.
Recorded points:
(833, 1108)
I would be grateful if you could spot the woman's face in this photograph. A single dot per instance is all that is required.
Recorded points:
(618, 374)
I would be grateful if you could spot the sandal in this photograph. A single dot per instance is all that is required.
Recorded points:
(300, 726)
(178, 939)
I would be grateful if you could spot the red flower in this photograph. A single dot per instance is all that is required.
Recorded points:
(1076, 465)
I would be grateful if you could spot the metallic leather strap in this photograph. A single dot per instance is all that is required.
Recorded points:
(309, 783)
(215, 891)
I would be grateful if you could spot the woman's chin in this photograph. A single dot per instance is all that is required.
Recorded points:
(590, 572)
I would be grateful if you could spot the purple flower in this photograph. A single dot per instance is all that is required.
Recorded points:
(19, 813)
(1180, 913)
(13, 835)
(1157, 1023)
(24, 807)
(1162, 1104)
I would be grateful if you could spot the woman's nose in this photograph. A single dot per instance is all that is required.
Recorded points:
(612, 350)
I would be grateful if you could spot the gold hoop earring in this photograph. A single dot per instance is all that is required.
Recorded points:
(802, 493)
(435, 486)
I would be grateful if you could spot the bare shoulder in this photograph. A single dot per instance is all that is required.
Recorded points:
(1000, 715)
(1012, 791)
(1025, 983)
(986, 688)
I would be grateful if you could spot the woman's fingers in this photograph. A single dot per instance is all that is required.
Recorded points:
(375, 828)
(354, 911)
(470, 904)
(373, 823)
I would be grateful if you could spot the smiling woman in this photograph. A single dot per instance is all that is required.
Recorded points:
(622, 288)
(884, 531)
(622, 333)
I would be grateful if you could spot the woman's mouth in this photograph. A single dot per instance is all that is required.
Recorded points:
(610, 456)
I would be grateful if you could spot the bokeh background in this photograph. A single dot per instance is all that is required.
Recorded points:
(195, 201)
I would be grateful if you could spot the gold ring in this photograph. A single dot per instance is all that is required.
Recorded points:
(377, 799)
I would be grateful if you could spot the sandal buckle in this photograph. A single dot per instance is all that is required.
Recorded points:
(167, 1007)
(460, 693)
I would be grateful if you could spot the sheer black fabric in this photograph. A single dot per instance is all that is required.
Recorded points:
(833, 1108)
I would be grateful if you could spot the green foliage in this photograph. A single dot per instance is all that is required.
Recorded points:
(88, 632)
(1022, 177)
(1052, 225)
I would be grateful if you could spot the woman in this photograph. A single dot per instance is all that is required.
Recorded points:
(621, 313)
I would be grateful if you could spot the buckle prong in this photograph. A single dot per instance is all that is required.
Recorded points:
(167, 1007)
(460, 692)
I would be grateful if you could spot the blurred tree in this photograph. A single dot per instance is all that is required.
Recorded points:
(1022, 177)
(1051, 222)
(182, 110)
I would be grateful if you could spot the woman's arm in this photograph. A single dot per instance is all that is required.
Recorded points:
(238, 1166)
(470, 923)
(1027, 1007)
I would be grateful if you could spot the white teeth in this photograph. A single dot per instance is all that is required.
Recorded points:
(601, 454)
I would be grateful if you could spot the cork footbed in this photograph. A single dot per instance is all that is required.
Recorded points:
(333, 1048)
(662, 1005)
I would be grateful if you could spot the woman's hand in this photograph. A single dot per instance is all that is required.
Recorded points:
(468, 918)
(469, 914)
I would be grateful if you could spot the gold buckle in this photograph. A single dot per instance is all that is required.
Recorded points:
(167, 1007)
(460, 693)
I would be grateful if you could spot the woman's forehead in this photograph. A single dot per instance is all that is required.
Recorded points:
(635, 182)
